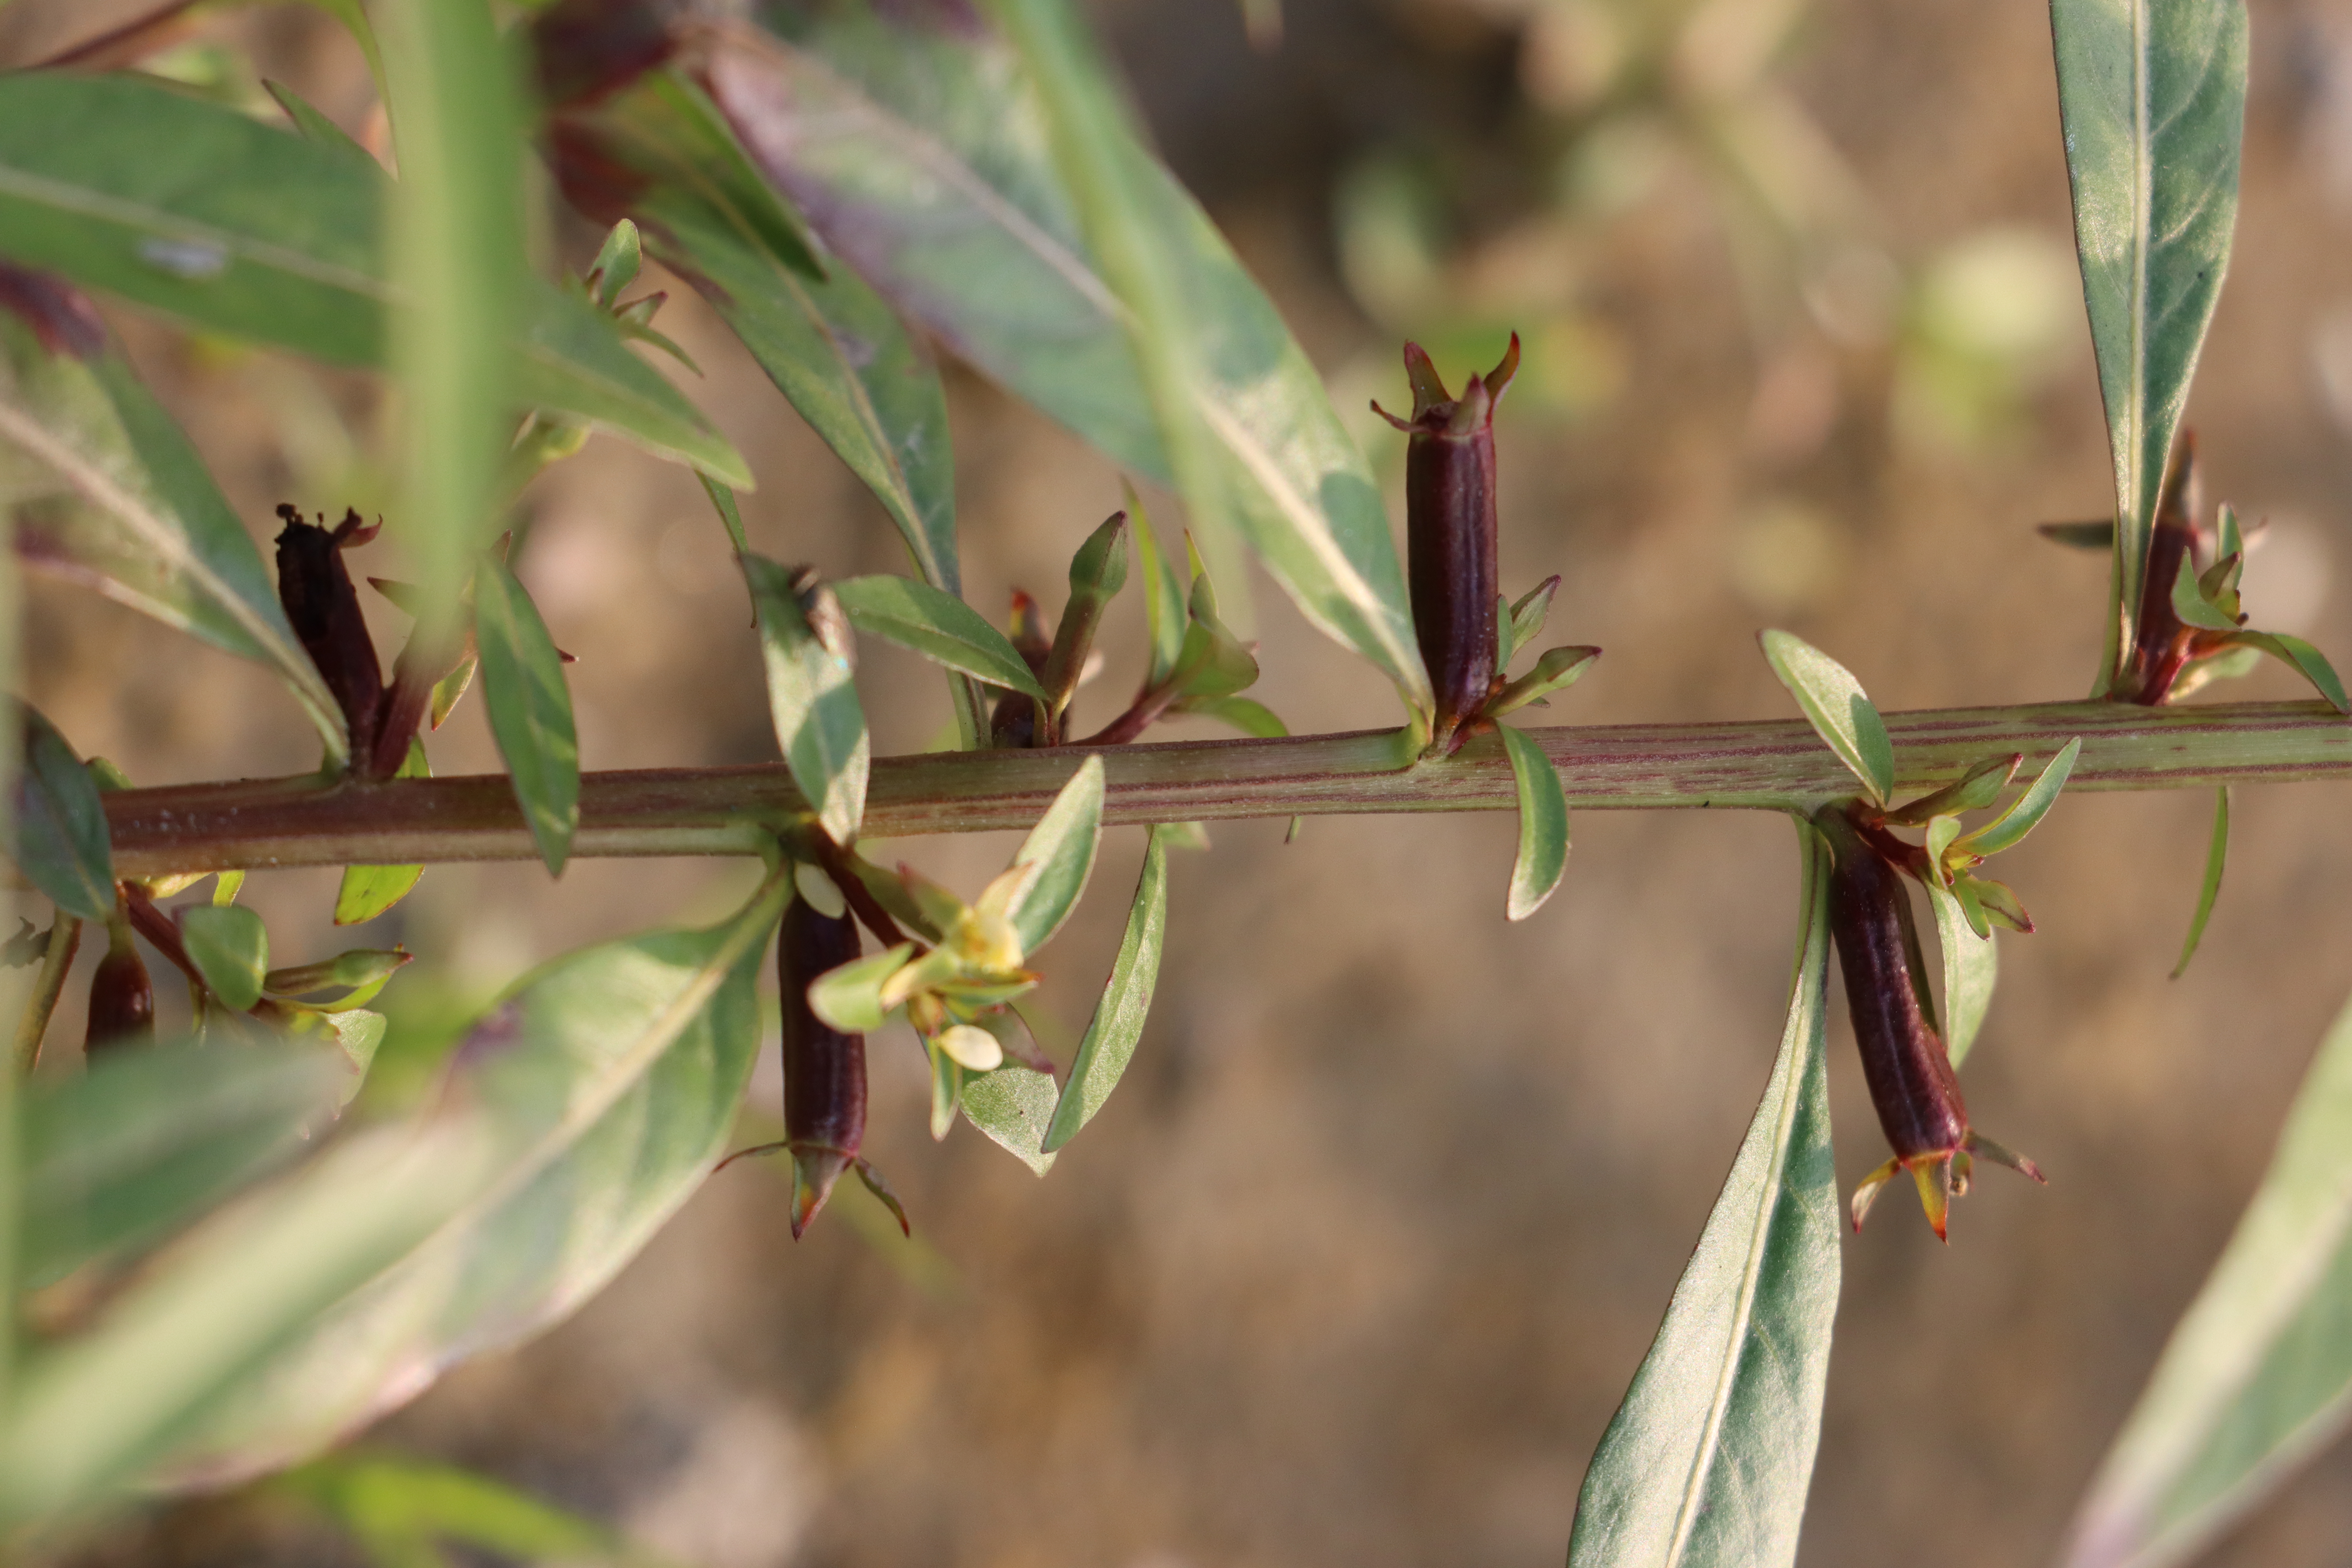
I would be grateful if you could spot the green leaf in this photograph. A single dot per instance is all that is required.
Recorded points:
(531, 708)
(850, 997)
(2304, 659)
(235, 226)
(940, 626)
(1525, 620)
(2189, 603)
(116, 1156)
(1247, 714)
(1557, 671)
(2217, 853)
(2153, 98)
(609, 1080)
(2258, 1373)
(1835, 706)
(1708, 1459)
(1013, 1105)
(2096, 534)
(812, 692)
(231, 949)
(1062, 846)
(1118, 1023)
(1971, 968)
(366, 892)
(616, 264)
(2029, 808)
(1098, 571)
(1972, 790)
(110, 494)
(1543, 825)
(1214, 663)
(456, 253)
(397, 1509)
(313, 124)
(57, 834)
(360, 972)
(920, 155)
(1165, 617)
(94, 1412)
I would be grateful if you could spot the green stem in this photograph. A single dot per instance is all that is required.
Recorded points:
(64, 936)
(1772, 765)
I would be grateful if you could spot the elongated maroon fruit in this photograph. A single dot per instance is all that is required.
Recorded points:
(315, 590)
(121, 997)
(1912, 1085)
(825, 1069)
(1450, 544)
(2160, 643)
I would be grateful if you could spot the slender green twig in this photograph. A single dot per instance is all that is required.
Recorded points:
(57, 959)
(1773, 765)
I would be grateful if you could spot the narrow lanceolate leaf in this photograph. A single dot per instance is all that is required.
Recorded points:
(107, 492)
(402, 1511)
(530, 707)
(833, 347)
(144, 1141)
(609, 1081)
(1835, 706)
(58, 833)
(812, 693)
(917, 152)
(1971, 968)
(1247, 714)
(1708, 1459)
(1136, 235)
(1013, 1105)
(2303, 660)
(1543, 826)
(1163, 596)
(231, 949)
(2029, 808)
(2153, 98)
(366, 892)
(2217, 853)
(95, 1411)
(2257, 1377)
(1118, 1023)
(195, 209)
(1062, 846)
(456, 253)
(940, 626)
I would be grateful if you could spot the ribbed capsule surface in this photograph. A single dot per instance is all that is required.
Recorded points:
(1450, 531)
(825, 1069)
(1912, 1085)
(121, 1001)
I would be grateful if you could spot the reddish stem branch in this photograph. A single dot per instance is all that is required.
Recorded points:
(1774, 765)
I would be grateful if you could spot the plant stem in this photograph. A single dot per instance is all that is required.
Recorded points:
(64, 936)
(1772, 765)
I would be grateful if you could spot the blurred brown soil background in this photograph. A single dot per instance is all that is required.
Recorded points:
(1358, 1261)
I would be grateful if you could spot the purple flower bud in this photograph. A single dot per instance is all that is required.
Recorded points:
(825, 1069)
(1450, 544)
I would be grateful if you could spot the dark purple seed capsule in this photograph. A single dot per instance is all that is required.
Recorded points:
(315, 590)
(1912, 1085)
(825, 1069)
(1449, 546)
(121, 999)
